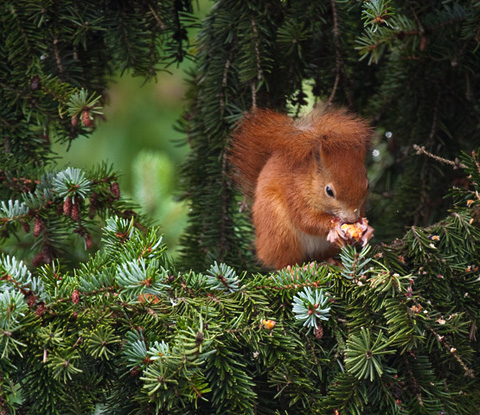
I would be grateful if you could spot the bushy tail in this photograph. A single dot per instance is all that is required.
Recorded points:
(259, 134)
(263, 132)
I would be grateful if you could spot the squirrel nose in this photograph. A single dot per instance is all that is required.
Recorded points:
(351, 216)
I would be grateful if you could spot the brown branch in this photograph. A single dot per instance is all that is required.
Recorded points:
(224, 86)
(441, 339)
(455, 164)
(420, 32)
(419, 23)
(257, 51)
(338, 56)
(19, 183)
(433, 130)
(57, 55)
(225, 202)
(253, 86)
(155, 15)
(259, 66)
(475, 159)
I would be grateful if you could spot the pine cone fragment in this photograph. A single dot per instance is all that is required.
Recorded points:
(342, 233)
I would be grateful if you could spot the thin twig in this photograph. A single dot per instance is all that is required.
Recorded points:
(225, 200)
(338, 56)
(259, 66)
(155, 15)
(455, 164)
(441, 339)
(224, 86)
(433, 130)
(475, 159)
(57, 55)
(419, 23)
(257, 51)
(403, 33)
(254, 94)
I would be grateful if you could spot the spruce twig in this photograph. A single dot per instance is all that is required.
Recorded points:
(455, 164)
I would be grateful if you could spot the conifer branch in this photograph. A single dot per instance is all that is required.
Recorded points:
(22, 184)
(421, 150)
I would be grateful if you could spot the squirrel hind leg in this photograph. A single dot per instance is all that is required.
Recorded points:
(278, 256)
(277, 242)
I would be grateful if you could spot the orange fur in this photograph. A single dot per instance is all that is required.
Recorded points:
(285, 166)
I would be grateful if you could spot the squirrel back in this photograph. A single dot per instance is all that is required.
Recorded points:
(264, 132)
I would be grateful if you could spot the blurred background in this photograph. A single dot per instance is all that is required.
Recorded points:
(138, 137)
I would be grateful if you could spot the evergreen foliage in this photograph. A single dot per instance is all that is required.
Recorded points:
(393, 331)
(128, 330)
(56, 60)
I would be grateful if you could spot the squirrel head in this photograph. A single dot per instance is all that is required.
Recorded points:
(340, 181)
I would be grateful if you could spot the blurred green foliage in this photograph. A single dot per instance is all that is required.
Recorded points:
(139, 138)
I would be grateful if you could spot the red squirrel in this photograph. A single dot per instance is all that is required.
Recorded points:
(303, 175)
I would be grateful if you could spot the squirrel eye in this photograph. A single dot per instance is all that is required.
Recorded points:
(329, 191)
